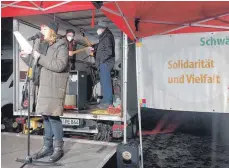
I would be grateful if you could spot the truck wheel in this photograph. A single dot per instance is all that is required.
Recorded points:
(7, 111)
(3, 127)
(6, 125)
(104, 132)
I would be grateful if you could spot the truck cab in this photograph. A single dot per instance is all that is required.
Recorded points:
(7, 82)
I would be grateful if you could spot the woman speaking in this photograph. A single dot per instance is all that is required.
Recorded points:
(51, 55)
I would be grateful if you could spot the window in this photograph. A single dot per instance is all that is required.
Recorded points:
(11, 84)
(7, 69)
(7, 38)
(7, 32)
(7, 48)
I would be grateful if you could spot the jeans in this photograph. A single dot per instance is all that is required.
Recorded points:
(105, 80)
(53, 127)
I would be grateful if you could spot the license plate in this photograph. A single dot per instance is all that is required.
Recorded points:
(66, 121)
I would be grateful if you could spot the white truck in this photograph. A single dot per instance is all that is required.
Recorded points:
(7, 79)
(8, 122)
(180, 88)
(84, 121)
(7, 87)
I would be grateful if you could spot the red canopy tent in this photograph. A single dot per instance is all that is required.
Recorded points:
(138, 19)
(25, 8)
(150, 17)
(156, 18)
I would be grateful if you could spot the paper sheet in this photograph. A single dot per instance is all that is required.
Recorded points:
(23, 42)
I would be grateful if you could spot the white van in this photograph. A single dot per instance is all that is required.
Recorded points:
(7, 82)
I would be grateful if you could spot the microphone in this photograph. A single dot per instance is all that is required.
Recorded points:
(36, 36)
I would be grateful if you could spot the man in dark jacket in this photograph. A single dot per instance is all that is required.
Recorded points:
(105, 60)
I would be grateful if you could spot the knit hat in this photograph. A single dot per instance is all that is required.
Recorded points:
(70, 31)
(102, 24)
(53, 26)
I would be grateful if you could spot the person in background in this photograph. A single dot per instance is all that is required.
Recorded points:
(70, 34)
(105, 60)
(51, 93)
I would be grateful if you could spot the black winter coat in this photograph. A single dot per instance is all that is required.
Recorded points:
(105, 52)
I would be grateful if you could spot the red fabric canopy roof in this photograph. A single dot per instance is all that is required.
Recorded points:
(155, 17)
(168, 17)
(25, 8)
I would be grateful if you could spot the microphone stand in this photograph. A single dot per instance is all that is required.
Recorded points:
(28, 160)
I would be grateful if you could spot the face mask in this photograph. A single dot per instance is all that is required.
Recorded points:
(69, 38)
(99, 31)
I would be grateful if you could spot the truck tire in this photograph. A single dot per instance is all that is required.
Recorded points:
(104, 132)
(7, 111)
(8, 123)
(3, 127)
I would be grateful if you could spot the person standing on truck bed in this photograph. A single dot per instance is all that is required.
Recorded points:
(71, 47)
(51, 93)
(105, 60)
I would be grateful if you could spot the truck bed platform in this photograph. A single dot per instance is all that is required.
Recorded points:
(85, 114)
(78, 153)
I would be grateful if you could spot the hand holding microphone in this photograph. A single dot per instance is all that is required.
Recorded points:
(36, 55)
(24, 53)
(36, 36)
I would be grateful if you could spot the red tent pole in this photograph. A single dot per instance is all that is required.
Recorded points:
(201, 21)
(57, 5)
(110, 11)
(34, 4)
(181, 24)
(210, 26)
(6, 5)
(122, 15)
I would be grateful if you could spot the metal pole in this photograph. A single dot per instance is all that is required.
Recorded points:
(210, 26)
(6, 5)
(125, 57)
(29, 116)
(22, 7)
(198, 22)
(139, 109)
(111, 11)
(33, 3)
(29, 100)
(16, 73)
(182, 24)
(120, 11)
(57, 5)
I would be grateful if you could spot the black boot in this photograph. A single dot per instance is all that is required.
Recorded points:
(58, 151)
(46, 150)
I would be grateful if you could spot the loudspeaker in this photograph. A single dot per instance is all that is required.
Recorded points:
(128, 155)
(78, 86)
